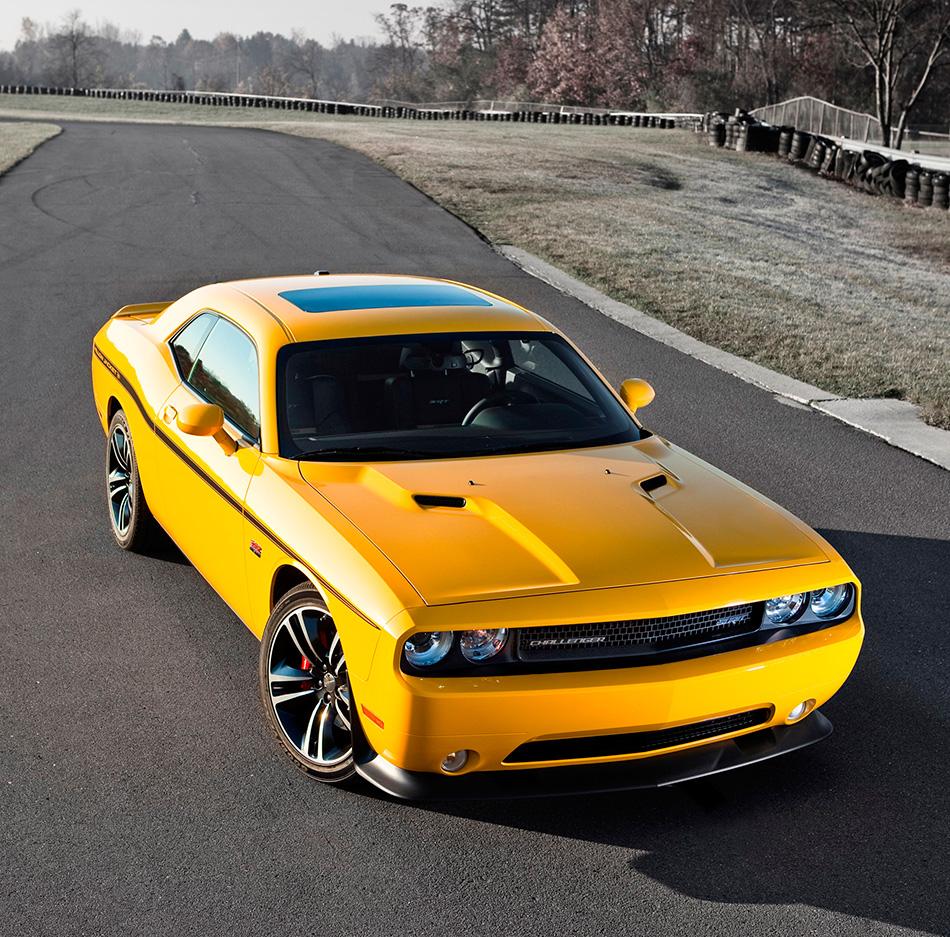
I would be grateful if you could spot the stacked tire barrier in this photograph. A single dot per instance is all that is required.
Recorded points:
(589, 118)
(940, 197)
(741, 133)
(845, 160)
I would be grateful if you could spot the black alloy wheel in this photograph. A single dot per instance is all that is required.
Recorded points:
(305, 689)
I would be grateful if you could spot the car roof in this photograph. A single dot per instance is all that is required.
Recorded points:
(309, 308)
(278, 311)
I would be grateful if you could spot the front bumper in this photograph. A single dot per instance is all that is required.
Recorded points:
(414, 723)
(656, 771)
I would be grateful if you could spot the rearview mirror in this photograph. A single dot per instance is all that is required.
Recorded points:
(636, 393)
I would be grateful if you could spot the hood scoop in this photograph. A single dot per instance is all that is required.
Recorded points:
(651, 484)
(439, 501)
(554, 522)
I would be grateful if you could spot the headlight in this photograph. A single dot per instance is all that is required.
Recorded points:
(826, 603)
(483, 643)
(428, 647)
(785, 607)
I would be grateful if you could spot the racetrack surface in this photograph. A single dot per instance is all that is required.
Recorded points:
(141, 792)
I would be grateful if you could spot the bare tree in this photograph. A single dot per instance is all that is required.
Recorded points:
(305, 57)
(156, 54)
(346, 72)
(769, 34)
(480, 20)
(401, 60)
(903, 42)
(74, 51)
(28, 53)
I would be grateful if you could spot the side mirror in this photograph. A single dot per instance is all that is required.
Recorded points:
(206, 419)
(200, 419)
(636, 393)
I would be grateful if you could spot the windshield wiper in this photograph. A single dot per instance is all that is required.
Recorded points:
(364, 452)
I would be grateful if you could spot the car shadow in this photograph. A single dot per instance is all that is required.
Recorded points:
(857, 824)
(163, 548)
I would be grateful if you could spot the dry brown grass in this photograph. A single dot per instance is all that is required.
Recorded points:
(18, 140)
(747, 252)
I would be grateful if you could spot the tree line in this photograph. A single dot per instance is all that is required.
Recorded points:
(74, 54)
(886, 57)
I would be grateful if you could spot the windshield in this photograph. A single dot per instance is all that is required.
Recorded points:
(442, 396)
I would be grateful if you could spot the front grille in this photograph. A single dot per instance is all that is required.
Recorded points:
(634, 743)
(634, 637)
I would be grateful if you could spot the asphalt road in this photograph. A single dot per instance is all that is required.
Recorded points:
(141, 792)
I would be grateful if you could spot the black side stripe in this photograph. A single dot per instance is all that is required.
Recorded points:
(124, 381)
(219, 490)
(197, 469)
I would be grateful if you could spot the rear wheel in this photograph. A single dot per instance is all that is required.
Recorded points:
(130, 519)
(305, 689)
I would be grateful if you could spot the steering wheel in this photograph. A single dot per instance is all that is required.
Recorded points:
(505, 398)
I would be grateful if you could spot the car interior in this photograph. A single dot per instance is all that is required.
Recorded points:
(338, 391)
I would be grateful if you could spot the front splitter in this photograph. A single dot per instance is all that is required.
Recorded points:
(655, 771)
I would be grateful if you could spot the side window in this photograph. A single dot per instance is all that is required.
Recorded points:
(226, 374)
(187, 343)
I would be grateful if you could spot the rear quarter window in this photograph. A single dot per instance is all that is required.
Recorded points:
(186, 345)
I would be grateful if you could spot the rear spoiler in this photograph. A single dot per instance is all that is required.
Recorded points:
(144, 311)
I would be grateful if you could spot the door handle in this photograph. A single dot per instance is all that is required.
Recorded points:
(169, 414)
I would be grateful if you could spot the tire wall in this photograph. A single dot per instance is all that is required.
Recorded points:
(547, 115)
(844, 160)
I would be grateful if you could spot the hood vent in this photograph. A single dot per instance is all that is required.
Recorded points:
(438, 501)
(651, 484)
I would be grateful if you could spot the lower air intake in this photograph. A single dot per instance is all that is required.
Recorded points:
(635, 743)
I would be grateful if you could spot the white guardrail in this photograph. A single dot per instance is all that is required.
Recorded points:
(924, 160)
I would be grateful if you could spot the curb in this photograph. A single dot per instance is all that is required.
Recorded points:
(897, 422)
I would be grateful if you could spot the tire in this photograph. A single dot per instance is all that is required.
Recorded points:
(305, 690)
(828, 162)
(911, 183)
(940, 190)
(785, 141)
(801, 140)
(130, 520)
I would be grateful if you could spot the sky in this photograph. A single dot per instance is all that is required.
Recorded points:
(319, 19)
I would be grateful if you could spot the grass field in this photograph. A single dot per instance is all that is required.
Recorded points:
(18, 140)
(744, 251)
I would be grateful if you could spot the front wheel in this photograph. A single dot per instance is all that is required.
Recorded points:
(304, 686)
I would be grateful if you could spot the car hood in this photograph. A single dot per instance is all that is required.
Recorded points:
(551, 522)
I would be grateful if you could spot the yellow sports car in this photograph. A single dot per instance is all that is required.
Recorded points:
(473, 572)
